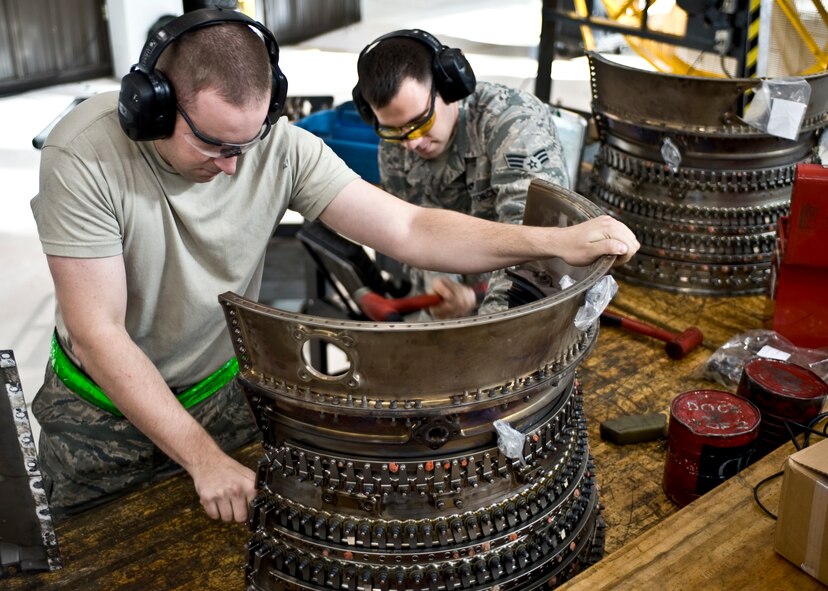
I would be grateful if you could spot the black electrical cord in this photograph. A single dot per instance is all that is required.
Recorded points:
(724, 68)
(756, 492)
(808, 431)
(810, 428)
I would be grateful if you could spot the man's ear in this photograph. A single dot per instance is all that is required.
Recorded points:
(363, 108)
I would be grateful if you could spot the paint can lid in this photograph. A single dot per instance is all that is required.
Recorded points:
(785, 379)
(714, 413)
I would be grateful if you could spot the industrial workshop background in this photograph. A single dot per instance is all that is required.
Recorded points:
(47, 42)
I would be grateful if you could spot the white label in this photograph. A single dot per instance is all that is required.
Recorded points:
(769, 352)
(785, 118)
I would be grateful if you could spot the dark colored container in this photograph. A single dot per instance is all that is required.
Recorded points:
(710, 437)
(785, 393)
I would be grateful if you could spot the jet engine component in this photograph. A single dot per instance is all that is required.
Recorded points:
(387, 474)
(700, 188)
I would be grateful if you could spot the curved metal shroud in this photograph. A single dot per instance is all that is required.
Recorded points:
(406, 368)
(697, 105)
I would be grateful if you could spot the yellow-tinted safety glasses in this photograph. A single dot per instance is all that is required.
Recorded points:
(410, 131)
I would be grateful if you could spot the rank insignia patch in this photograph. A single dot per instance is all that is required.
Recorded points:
(530, 163)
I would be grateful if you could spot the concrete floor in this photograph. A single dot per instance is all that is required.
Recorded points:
(499, 39)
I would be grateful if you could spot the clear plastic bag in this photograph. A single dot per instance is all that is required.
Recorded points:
(778, 106)
(671, 154)
(597, 299)
(725, 364)
(509, 440)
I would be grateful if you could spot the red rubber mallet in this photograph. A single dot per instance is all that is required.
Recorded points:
(677, 344)
(382, 309)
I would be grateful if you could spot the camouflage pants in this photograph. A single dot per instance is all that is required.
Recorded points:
(88, 456)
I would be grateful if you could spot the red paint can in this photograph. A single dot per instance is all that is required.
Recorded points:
(711, 436)
(784, 393)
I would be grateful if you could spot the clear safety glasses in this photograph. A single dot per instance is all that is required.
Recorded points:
(213, 148)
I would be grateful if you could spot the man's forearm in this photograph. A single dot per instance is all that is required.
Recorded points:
(136, 387)
(452, 242)
(441, 240)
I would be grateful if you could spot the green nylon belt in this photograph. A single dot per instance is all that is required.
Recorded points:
(80, 384)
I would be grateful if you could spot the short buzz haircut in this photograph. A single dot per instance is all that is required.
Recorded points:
(383, 69)
(228, 58)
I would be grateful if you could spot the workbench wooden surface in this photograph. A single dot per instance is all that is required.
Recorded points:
(155, 539)
(721, 541)
(160, 539)
(632, 374)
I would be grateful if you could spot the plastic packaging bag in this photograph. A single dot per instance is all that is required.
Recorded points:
(671, 154)
(778, 106)
(725, 364)
(509, 440)
(597, 299)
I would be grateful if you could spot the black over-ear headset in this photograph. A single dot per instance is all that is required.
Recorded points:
(453, 75)
(146, 106)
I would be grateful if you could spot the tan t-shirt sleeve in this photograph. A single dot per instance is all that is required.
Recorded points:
(75, 216)
(320, 173)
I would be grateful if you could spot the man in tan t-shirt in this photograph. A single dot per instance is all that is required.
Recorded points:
(141, 236)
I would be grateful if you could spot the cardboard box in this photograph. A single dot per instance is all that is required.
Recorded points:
(802, 526)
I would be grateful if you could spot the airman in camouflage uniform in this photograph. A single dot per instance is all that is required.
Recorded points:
(504, 138)
(474, 151)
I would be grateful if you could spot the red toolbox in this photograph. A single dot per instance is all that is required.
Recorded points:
(800, 263)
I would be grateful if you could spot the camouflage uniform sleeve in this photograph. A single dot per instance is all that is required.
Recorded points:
(522, 144)
(393, 179)
(391, 162)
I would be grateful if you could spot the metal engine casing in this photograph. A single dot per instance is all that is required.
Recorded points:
(708, 225)
(388, 474)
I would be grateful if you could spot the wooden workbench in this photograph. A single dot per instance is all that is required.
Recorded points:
(631, 374)
(159, 538)
(721, 541)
